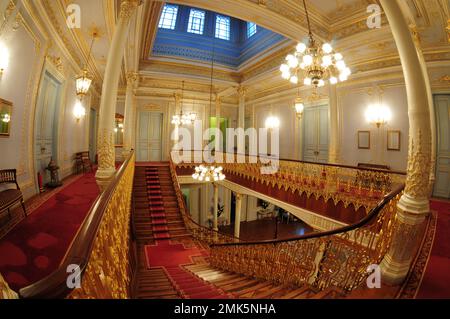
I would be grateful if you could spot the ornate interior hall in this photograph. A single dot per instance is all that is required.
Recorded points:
(232, 149)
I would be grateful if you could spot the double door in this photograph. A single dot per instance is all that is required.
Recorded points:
(149, 142)
(316, 134)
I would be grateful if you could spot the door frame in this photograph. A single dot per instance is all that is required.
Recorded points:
(50, 69)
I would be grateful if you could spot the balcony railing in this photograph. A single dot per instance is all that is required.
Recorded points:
(100, 256)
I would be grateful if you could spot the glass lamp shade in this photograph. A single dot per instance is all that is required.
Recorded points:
(299, 107)
(378, 115)
(83, 83)
(79, 111)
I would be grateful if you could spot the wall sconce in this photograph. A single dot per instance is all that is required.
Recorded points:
(378, 114)
(299, 107)
(4, 58)
(79, 111)
(272, 122)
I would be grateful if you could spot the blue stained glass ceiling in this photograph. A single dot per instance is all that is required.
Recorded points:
(192, 33)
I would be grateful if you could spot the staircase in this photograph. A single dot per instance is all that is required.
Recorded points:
(158, 223)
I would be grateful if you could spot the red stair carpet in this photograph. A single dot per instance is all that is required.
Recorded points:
(171, 257)
(436, 281)
(37, 245)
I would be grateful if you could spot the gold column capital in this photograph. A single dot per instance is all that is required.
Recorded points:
(132, 78)
(177, 97)
(242, 91)
(127, 8)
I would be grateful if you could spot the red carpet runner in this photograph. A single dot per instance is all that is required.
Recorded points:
(37, 245)
(435, 283)
(170, 256)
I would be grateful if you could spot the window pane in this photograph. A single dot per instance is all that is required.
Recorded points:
(196, 21)
(251, 29)
(223, 27)
(168, 17)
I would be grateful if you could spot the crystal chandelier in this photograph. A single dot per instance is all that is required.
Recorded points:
(208, 174)
(84, 80)
(183, 119)
(315, 63)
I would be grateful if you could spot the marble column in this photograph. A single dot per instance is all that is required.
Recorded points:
(413, 206)
(128, 124)
(333, 156)
(237, 220)
(177, 110)
(241, 115)
(215, 209)
(106, 150)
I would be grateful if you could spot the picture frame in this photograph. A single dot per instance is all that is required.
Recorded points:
(5, 117)
(393, 140)
(364, 140)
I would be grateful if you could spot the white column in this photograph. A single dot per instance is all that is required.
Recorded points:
(106, 151)
(333, 156)
(414, 204)
(128, 124)
(237, 220)
(175, 131)
(241, 115)
(216, 204)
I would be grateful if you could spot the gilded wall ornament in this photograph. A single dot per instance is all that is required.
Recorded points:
(106, 150)
(418, 171)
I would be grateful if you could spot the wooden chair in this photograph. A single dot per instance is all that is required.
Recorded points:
(10, 197)
(82, 162)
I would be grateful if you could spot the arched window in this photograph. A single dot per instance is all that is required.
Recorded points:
(251, 29)
(196, 21)
(222, 27)
(168, 17)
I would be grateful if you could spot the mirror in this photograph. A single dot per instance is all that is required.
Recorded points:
(118, 130)
(5, 117)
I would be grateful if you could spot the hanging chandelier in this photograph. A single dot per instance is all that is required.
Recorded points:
(315, 63)
(183, 119)
(84, 80)
(208, 174)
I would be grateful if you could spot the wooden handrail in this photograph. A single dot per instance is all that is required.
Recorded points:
(55, 285)
(363, 222)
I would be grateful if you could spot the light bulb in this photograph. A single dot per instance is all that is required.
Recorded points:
(284, 68)
(347, 71)
(301, 48)
(327, 48)
(327, 60)
(290, 57)
(293, 63)
(294, 79)
(286, 75)
(343, 77)
(341, 65)
(333, 80)
(321, 83)
(307, 60)
(307, 81)
(338, 57)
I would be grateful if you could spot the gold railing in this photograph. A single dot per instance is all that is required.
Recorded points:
(203, 234)
(101, 249)
(338, 258)
(361, 187)
(5, 291)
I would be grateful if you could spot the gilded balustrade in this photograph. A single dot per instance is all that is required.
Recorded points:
(203, 234)
(108, 272)
(5, 291)
(338, 258)
(349, 185)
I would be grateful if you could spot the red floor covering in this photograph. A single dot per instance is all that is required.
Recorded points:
(436, 281)
(37, 245)
(171, 257)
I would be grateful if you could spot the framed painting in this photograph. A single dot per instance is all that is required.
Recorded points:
(364, 140)
(393, 140)
(5, 118)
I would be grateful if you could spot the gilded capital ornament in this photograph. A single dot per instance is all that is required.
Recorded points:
(128, 7)
(242, 91)
(106, 150)
(132, 78)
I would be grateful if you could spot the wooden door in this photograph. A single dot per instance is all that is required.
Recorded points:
(442, 184)
(149, 143)
(46, 124)
(316, 134)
